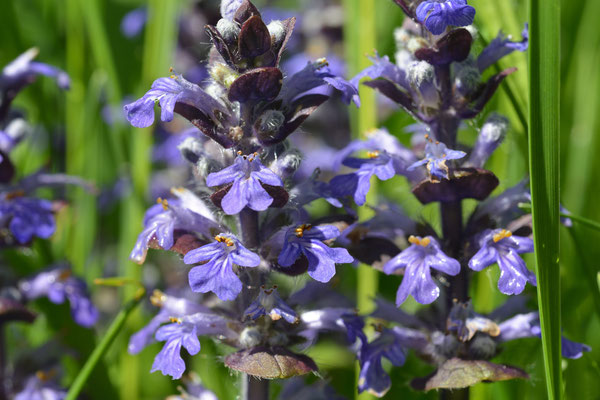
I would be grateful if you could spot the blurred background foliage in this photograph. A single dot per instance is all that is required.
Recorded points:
(96, 234)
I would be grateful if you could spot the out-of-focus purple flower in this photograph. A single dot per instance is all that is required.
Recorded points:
(229, 7)
(217, 275)
(40, 387)
(491, 135)
(269, 303)
(194, 390)
(500, 246)
(168, 92)
(417, 261)
(23, 70)
(528, 325)
(504, 208)
(178, 334)
(168, 150)
(357, 184)
(297, 389)
(247, 175)
(439, 14)
(500, 47)
(436, 155)
(332, 319)
(373, 377)
(28, 217)
(133, 22)
(308, 240)
(170, 306)
(58, 285)
(12, 134)
(187, 212)
(566, 221)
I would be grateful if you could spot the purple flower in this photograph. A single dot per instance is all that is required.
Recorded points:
(439, 14)
(436, 155)
(373, 377)
(332, 319)
(168, 92)
(307, 240)
(178, 334)
(23, 70)
(500, 246)
(500, 47)
(248, 175)
(269, 303)
(40, 387)
(170, 306)
(187, 212)
(528, 325)
(417, 260)
(357, 184)
(217, 275)
(133, 22)
(58, 285)
(491, 135)
(229, 7)
(28, 217)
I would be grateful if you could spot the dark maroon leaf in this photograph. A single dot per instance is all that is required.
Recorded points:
(299, 267)
(254, 38)
(464, 183)
(392, 91)
(12, 310)
(258, 84)
(456, 373)
(7, 169)
(453, 47)
(270, 363)
(219, 43)
(480, 98)
(183, 243)
(288, 25)
(245, 11)
(204, 123)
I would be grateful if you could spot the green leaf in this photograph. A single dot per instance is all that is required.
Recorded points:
(544, 123)
(104, 345)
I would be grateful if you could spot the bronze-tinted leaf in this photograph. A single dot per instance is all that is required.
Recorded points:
(392, 91)
(254, 38)
(453, 47)
(258, 84)
(288, 25)
(270, 362)
(204, 123)
(456, 373)
(299, 267)
(372, 250)
(464, 183)
(279, 194)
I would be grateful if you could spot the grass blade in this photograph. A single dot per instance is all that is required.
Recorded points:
(544, 123)
(104, 345)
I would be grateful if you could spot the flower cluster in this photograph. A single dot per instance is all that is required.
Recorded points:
(244, 224)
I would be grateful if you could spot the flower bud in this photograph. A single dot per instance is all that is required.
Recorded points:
(268, 124)
(421, 76)
(482, 347)
(286, 165)
(250, 337)
(191, 149)
(491, 135)
(467, 78)
(228, 29)
(277, 31)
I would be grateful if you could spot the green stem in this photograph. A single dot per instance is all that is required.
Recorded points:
(104, 345)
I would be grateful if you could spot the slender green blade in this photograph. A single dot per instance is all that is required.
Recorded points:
(544, 123)
(104, 345)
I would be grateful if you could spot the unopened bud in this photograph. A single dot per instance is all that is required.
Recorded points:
(277, 31)
(482, 347)
(269, 123)
(250, 337)
(228, 29)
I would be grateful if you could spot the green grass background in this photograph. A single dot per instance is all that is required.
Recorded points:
(83, 37)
